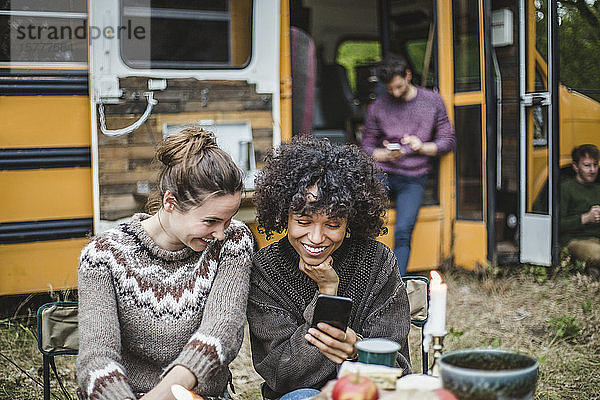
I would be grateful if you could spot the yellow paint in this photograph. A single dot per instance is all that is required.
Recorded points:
(426, 241)
(447, 178)
(579, 118)
(261, 239)
(455, 232)
(39, 266)
(44, 121)
(30, 195)
(468, 98)
(579, 122)
(470, 244)
(285, 73)
(241, 35)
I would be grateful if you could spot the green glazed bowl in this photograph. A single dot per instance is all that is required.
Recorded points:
(489, 374)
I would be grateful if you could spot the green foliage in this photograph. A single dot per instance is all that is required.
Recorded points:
(455, 333)
(542, 359)
(568, 265)
(579, 40)
(495, 343)
(540, 273)
(586, 306)
(28, 331)
(565, 327)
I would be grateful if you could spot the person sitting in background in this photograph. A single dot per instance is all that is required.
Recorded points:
(330, 202)
(162, 298)
(580, 206)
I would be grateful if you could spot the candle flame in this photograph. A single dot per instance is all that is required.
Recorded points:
(436, 277)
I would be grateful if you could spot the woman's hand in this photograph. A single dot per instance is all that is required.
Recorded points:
(334, 343)
(178, 374)
(323, 274)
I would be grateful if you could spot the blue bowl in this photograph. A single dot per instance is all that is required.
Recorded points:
(489, 374)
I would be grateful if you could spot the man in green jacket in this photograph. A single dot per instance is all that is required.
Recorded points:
(580, 206)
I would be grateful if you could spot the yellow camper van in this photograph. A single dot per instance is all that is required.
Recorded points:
(87, 90)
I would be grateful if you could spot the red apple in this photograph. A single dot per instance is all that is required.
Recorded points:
(443, 394)
(354, 387)
(181, 393)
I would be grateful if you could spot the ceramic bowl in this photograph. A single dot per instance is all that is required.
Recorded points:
(489, 374)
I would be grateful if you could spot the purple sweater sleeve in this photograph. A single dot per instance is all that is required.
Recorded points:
(444, 137)
(371, 131)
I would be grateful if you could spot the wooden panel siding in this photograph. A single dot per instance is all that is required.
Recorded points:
(126, 165)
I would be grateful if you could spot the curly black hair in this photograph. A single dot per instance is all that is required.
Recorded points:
(347, 186)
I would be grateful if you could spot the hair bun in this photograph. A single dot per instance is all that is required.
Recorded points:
(207, 139)
(188, 142)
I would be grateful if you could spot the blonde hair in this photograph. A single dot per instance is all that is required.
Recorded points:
(193, 169)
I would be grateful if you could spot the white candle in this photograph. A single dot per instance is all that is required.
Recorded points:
(437, 305)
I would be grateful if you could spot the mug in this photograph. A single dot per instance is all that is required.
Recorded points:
(377, 351)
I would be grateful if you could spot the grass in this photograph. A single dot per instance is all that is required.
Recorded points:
(555, 319)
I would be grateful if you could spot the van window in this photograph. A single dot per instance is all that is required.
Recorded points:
(34, 32)
(354, 54)
(468, 153)
(465, 25)
(186, 35)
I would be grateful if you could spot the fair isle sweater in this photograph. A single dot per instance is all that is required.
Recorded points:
(282, 301)
(143, 310)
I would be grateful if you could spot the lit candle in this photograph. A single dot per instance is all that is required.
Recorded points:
(437, 305)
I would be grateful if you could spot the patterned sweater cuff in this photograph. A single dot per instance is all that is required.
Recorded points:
(109, 383)
(202, 355)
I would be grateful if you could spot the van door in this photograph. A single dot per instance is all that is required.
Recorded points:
(538, 129)
(213, 64)
(465, 72)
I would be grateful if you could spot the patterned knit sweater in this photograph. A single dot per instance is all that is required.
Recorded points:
(282, 300)
(143, 310)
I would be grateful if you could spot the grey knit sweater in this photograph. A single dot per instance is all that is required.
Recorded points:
(282, 301)
(143, 309)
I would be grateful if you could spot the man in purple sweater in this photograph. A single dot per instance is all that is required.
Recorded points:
(404, 130)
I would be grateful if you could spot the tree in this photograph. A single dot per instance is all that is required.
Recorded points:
(579, 38)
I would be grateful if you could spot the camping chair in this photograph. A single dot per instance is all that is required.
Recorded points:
(57, 335)
(417, 288)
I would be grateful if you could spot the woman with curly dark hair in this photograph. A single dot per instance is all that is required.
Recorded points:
(332, 205)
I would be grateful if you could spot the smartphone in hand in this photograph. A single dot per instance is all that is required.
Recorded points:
(333, 310)
(404, 148)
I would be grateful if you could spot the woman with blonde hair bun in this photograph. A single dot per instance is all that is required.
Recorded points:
(162, 297)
